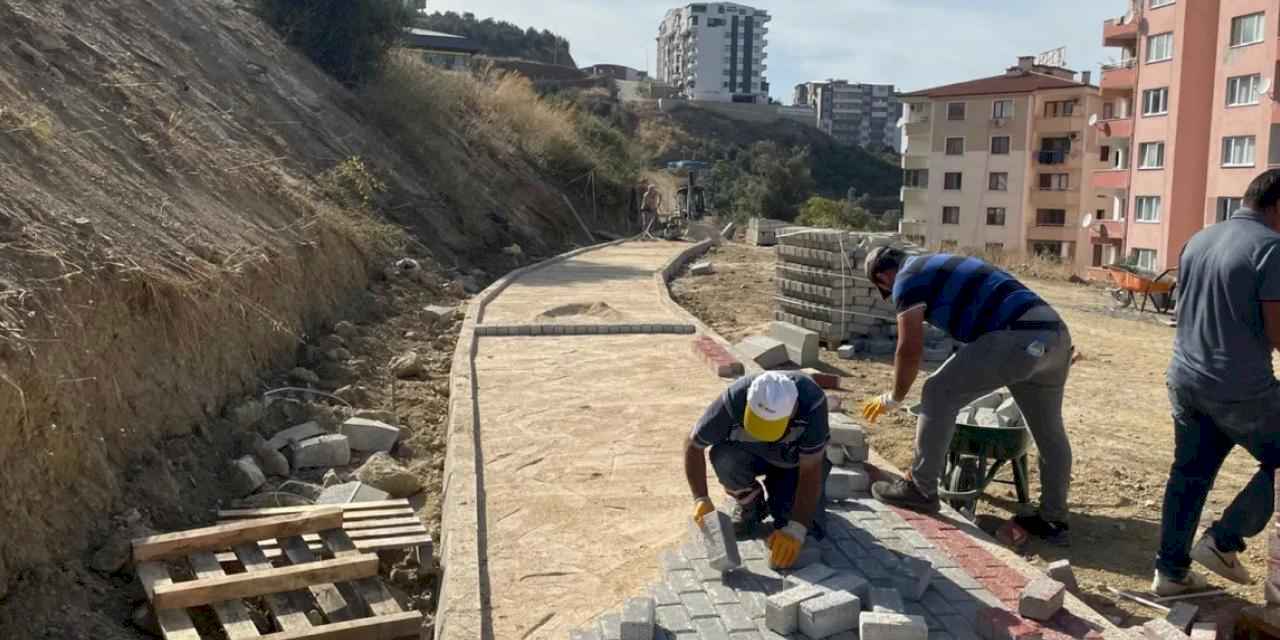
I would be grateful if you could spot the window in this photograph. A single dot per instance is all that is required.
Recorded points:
(1155, 102)
(1000, 145)
(1059, 108)
(995, 216)
(1047, 249)
(951, 215)
(955, 110)
(951, 181)
(1246, 30)
(1104, 153)
(998, 181)
(1156, 4)
(1144, 259)
(915, 178)
(955, 146)
(693, 21)
(1148, 209)
(1228, 206)
(1051, 217)
(1160, 47)
(1055, 181)
(1243, 90)
(1237, 151)
(1151, 155)
(1002, 109)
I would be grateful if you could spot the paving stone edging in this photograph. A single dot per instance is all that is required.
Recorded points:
(583, 329)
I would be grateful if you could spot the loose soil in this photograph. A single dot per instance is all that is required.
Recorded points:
(1116, 411)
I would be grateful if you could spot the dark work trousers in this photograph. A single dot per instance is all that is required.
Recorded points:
(737, 468)
(1204, 433)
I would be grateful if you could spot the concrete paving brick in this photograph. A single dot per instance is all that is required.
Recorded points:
(960, 578)
(753, 603)
(710, 629)
(698, 604)
(637, 619)
(664, 595)
(609, 626)
(720, 542)
(845, 432)
(849, 582)
(673, 560)
(746, 635)
(958, 626)
(891, 626)
(735, 618)
(584, 634)
(854, 454)
(844, 482)
(885, 600)
(829, 614)
(1204, 631)
(836, 559)
(770, 580)
(768, 634)
(802, 344)
(812, 574)
(994, 623)
(937, 605)
(1061, 571)
(917, 541)
(694, 551)
(1182, 615)
(705, 572)
(721, 594)
(846, 352)
(1042, 598)
(674, 618)
(1161, 629)
(349, 492)
(809, 554)
(684, 581)
(939, 558)
(782, 609)
(296, 433)
(742, 581)
(835, 454)
(364, 434)
(331, 450)
(752, 549)
(873, 569)
(913, 578)
(767, 352)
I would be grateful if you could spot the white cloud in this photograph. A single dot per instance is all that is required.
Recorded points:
(911, 43)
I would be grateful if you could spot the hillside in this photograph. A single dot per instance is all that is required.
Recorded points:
(187, 205)
(502, 39)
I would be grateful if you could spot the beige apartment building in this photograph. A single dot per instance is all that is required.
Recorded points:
(1189, 118)
(1003, 163)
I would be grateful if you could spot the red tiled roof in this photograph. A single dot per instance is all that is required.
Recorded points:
(1021, 83)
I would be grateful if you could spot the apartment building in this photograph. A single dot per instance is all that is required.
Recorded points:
(854, 113)
(1002, 163)
(1188, 118)
(715, 51)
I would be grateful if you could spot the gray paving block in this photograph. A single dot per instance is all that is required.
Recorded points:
(721, 594)
(735, 617)
(705, 572)
(664, 595)
(1042, 598)
(752, 549)
(1161, 629)
(637, 619)
(845, 482)
(961, 578)
(684, 581)
(674, 618)
(809, 554)
(885, 600)
(782, 609)
(1061, 571)
(829, 614)
(802, 344)
(694, 550)
(584, 634)
(710, 629)
(698, 604)
(960, 627)
(720, 542)
(812, 574)
(850, 582)
(913, 578)
(331, 450)
(1204, 631)
(937, 605)
(764, 351)
(673, 560)
(609, 626)
(753, 603)
(846, 432)
(1183, 615)
(746, 635)
(892, 626)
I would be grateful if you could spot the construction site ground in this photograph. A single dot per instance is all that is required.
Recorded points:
(1117, 415)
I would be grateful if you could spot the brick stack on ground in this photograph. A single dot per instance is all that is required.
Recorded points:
(763, 232)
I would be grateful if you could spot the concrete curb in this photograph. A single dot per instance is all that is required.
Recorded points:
(552, 330)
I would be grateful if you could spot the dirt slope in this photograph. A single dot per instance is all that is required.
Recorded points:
(168, 232)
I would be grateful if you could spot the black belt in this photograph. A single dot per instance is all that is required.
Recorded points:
(1035, 325)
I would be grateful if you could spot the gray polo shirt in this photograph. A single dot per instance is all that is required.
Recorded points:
(1226, 272)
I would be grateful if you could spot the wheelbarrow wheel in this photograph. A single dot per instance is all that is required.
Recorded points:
(1122, 298)
(963, 479)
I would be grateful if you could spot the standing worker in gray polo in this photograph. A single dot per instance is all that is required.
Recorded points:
(1222, 388)
(1012, 338)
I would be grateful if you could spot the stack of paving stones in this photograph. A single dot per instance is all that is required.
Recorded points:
(763, 232)
(847, 451)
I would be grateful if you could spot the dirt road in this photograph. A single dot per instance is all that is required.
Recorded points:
(1117, 414)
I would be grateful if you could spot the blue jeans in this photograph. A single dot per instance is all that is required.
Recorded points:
(1205, 432)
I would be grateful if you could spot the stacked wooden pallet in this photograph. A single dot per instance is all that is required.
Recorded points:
(821, 286)
(340, 581)
(380, 525)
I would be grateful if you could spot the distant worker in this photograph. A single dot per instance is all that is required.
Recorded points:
(1012, 338)
(774, 425)
(649, 207)
(1222, 389)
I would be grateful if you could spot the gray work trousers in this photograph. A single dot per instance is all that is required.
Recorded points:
(995, 360)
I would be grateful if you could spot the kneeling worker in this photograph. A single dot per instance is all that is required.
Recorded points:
(774, 425)
(1012, 338)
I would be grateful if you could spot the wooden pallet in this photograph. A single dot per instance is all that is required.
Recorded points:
(340, 581)
(373, 526)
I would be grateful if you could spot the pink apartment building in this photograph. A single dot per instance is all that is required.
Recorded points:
(1187, 121)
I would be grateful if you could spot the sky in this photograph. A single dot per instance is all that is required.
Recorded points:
(913, 44)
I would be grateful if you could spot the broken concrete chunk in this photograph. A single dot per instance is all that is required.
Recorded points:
(720, 542)
(246, 477)
(271, 461)
(294, 434)
(1042, 598)
(364, 434)
(440, 315)
(331, 450)
(701, 269)
(766, 352)
(407, 365)
(802, 344)
(381, 471)
(351, 492)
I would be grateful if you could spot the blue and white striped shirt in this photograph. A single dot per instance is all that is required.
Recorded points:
(965, 297)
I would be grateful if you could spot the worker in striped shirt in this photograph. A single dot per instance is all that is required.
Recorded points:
(1012, 338)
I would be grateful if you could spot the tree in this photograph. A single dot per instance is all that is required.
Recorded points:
(502, 39)
(349, 39)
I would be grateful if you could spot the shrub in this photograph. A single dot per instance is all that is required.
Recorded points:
(350, 39)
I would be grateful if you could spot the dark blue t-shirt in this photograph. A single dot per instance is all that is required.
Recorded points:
(807, 432)
(966, 297)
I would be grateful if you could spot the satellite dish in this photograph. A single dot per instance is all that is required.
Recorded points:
(1088, 221)
(1265, 86)
(1093, 120)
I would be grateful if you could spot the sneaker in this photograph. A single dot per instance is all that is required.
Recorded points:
(745, 517)
(1165, 586)
(1223, 563)
(905, 494)
(1055, 533)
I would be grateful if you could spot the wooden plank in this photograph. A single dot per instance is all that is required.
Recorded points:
(348, 515)
(368, 545)
(194, 593)
(374, 593)
(233, 615)
(331, 602)
(388, 627)
(358, 534)
(175, 624)
(167, 545)
(352, 527)
(280, 511)
(289, 609)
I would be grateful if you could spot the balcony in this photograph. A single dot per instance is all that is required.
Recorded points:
(1051, 157)
(1120, 77)
(1107, 231)
(1049, 199)
(919, 127)
(1119, 32)
(1060, 124)
(1116, 128)
(1111, 179)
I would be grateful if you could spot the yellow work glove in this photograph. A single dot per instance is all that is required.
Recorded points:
(785, 544)
(701, 507)
(874, 408)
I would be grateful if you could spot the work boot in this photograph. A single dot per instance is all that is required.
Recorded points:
(1053, 532)
(1223, 563)
(1164, 586)
(905, 494)
(745, 516)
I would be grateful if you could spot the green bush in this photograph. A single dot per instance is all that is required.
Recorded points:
(350, 39)
(838, 214)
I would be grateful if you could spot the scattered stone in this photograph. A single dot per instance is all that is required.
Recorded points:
(304, 489)
(246, 477)
(637, 619)
(720, 542)
(1204, 631)
(914, 579)
(113, 555)
(270, 460)
(351, 492)
(769, 353)
(331, 478)
(1183, 615)
(1161, 629)
(249, 413)
(407, 365)
(295, 434)
(701, 269)
(1042, 598)
(829, 614)
(1061, 571)
(407, 266)
(845, 482)
(346, 330)
(885, 600)
(383, 472)
(824, 380)
(273, 499)
(782, 610)
(365, 434)
(892, 626)
(802, 344)
(330, 450)
(846, 352)
(438, 315)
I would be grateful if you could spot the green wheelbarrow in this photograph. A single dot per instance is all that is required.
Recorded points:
(977, 454)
